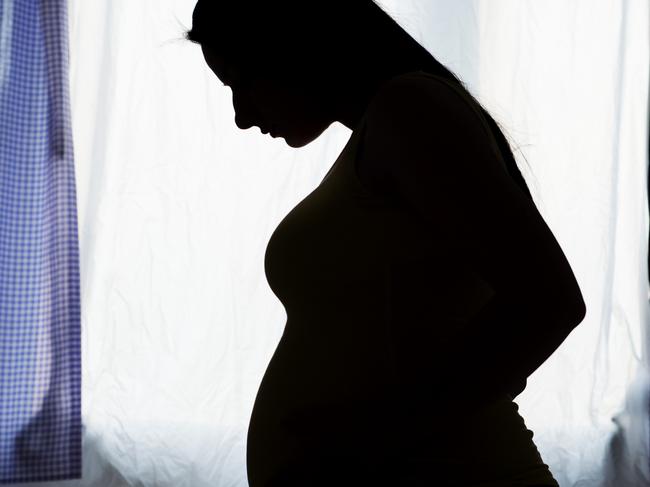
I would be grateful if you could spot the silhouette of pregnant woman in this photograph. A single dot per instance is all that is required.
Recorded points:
(422, 286)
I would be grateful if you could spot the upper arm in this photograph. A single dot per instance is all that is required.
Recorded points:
(437, 159)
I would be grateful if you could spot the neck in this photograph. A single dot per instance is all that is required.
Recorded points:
(352, 100)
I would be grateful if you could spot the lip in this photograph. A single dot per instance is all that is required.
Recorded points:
(267, 130)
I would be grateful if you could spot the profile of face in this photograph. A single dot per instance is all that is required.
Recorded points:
(295, 111)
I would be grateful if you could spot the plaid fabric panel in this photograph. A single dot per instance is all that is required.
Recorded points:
(40, 359)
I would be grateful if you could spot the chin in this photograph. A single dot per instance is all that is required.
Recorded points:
(300, 140)
(296, 143)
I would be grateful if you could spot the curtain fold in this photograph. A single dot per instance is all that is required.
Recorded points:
(40, 346)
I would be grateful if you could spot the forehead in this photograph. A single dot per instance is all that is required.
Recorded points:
(218, 63)
(229, 70)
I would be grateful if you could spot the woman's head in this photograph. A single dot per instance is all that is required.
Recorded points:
(296, 65)
(292, 64)
(281, 37)
(281, 106)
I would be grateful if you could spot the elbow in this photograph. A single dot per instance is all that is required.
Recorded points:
(576, 313)
(566, 314)
(582, 312)
(580, 308)
(574, 306)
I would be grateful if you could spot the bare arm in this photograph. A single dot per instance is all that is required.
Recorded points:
(432, 152)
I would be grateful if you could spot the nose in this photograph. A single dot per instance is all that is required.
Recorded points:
(242, 123)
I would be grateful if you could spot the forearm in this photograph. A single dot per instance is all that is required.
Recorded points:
(491, 355)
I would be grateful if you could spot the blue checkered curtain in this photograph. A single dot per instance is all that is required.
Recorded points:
(40, 363)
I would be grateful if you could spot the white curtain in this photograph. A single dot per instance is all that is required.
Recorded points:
(176, 206)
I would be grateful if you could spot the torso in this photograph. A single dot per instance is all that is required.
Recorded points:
(347, 263)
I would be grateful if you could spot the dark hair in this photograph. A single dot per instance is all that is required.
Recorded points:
(264, 35)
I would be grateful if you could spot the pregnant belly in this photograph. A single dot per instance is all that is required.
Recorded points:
(321, 401)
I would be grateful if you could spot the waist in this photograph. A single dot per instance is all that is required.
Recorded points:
(491, 442)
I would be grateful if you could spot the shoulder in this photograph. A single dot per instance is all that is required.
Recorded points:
(420, 93)
(417, 120)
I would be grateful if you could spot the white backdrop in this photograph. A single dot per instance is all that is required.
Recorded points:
(176, 206)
